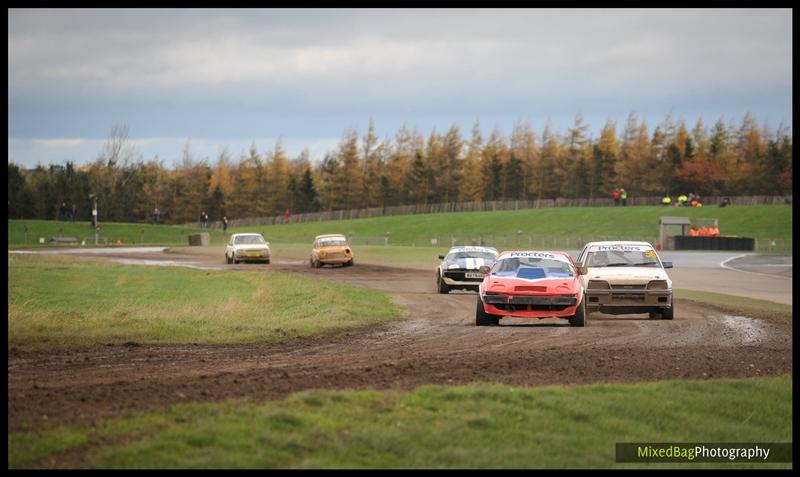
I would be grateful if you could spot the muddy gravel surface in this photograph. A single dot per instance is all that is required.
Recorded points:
(437, 343)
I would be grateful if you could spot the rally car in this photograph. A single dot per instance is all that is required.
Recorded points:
(247, 248)
(531, 284)
(460, 268)
(331, 249)
(626, 277)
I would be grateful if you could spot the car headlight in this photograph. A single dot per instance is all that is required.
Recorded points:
(657, 285)
(598, 284)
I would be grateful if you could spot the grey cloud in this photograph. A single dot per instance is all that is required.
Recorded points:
(188, 73)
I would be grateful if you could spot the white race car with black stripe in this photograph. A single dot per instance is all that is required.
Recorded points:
(460, 268)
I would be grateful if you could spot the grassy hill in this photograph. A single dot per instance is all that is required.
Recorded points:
(563, 228)
(537, 227)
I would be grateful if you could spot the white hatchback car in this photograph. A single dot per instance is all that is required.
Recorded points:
(247, 248)
(626, 277)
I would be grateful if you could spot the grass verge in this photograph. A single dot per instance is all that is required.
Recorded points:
(59, 302)
(737, 305)
(26, 233)
(475, 426)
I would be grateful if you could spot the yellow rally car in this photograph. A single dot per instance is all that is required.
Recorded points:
(331, 249)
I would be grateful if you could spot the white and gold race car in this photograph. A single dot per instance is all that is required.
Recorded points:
(626, 278)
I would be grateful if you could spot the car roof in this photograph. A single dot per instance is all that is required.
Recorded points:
(619, 242)
(248, 233)
(329, 235)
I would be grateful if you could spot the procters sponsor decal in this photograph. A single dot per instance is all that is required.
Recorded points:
(525, 254)
(532, 254)
(618, 248)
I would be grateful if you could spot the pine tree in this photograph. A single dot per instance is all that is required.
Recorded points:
(472, 182)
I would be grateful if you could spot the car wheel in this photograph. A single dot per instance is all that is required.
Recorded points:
(267, 262)
(485, 319)
(317, 264)
(668, 313)
(442, 286)
(227, 259)
(579, 318)
(654, 315)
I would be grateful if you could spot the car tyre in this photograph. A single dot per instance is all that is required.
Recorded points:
(267, 262)
(442, 286)
(227, 259)
(579, 318)
(668, 313)
(655, 315)
(485, 319)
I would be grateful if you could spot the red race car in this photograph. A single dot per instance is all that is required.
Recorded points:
(531, 284)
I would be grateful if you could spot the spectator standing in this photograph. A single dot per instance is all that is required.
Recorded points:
(224, 224)
(624, 196)
(616, 195)
(205, 220)
(62, 211)
(202, 218)
(667, 200)
(73, 212)
(156, 216)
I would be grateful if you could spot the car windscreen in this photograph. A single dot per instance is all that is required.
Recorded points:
(532, 268)
(622, 258)
(249, 240)
(487, 256)
(332, 242)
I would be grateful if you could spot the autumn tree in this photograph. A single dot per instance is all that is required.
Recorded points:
(546, 174)
(575, 161)
(605, 154)
(372, 167)
(472, 179)
(524, 149)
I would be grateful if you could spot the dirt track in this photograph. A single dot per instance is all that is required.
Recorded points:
(437, 344)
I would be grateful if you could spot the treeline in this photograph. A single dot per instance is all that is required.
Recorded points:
(737, 158)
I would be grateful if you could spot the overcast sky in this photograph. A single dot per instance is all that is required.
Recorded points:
(226, 78)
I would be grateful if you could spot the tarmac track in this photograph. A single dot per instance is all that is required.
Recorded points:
(437, 344)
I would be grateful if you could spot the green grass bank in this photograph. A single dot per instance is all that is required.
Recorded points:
(475, 426)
